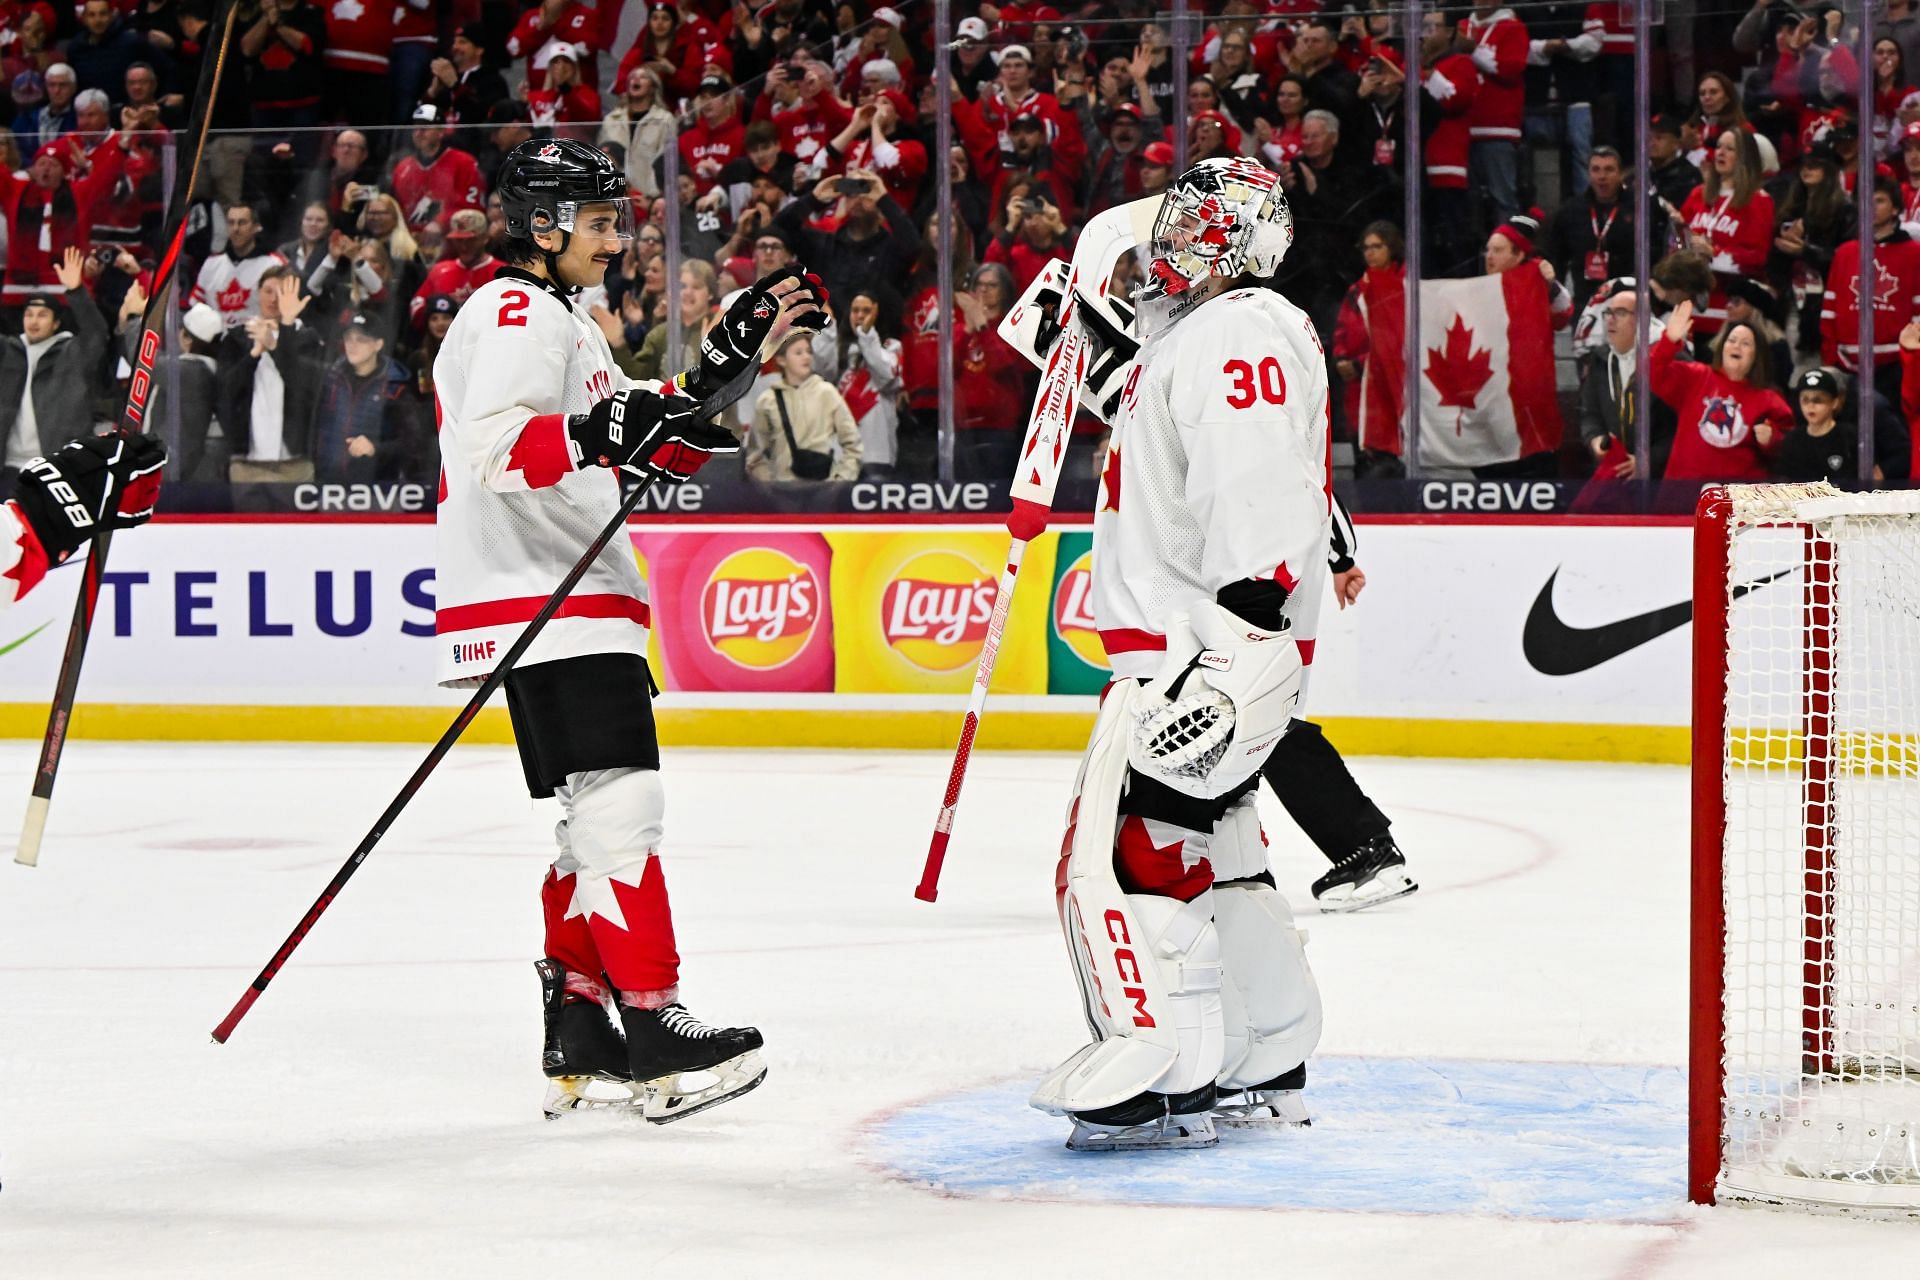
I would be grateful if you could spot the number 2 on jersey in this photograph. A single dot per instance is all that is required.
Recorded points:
(1267, 383)
(513, 310)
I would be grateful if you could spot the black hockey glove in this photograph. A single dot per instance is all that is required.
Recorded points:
(100, 482)
(1113, 350)
(1258, 600)
(662, 435)
(730, 353)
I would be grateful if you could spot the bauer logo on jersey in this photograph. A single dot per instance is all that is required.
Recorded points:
(1073, 612)
(1721, 422)
(760, 607)
(934, 612)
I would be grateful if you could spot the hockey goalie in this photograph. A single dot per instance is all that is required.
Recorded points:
(1209, 553)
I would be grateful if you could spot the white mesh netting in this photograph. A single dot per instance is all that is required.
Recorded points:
(1821, 1083)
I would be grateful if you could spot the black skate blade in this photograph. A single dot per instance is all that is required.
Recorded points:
(695, 1108)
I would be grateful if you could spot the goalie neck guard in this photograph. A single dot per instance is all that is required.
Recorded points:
(1221, 219)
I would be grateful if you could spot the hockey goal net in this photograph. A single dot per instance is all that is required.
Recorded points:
(1805, 1061)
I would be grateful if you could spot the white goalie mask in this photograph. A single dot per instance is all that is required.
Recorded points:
(1225, 696)
(1221, 219)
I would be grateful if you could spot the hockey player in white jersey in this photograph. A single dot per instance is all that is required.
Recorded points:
(1209, 554)
(536, 421)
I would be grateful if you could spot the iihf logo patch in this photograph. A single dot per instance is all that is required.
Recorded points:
(1721, 423)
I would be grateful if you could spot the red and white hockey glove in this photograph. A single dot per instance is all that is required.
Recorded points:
(663, 435)
(99, 482)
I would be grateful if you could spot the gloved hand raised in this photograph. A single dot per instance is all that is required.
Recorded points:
(790, 299)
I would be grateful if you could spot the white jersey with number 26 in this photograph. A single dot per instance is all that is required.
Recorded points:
(1216, 471)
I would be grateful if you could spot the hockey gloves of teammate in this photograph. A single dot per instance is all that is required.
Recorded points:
(95, 483)
(662, 435)
(730, 353)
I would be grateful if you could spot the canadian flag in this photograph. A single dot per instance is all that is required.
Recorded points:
(1486, 369)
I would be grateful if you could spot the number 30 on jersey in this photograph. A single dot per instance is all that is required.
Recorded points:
(1252, 384)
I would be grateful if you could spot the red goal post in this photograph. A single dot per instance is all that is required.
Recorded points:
(1804, 1084)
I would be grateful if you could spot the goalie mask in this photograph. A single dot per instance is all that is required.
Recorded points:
(1221, 219)
(1226, 694)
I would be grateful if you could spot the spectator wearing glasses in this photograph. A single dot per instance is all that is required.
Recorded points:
(642, 127)
(1609, 415)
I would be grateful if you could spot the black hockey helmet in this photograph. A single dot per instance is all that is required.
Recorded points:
(544, 180)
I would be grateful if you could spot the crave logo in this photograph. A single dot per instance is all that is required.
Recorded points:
(934, 612)
(759, 608)
(1073, 613)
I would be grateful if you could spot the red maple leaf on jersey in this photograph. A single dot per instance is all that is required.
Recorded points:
(1457, 371)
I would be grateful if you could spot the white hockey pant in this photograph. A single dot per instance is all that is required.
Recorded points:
(1270, 1004)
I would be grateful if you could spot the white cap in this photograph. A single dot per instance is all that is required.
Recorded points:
(203, 322)
(1014, 50)
(972, 29)
(889, 16)
(561, 49)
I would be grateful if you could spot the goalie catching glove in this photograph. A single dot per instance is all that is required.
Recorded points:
(1219, 703)
(730, 353)
(95, 483)
(658, 435)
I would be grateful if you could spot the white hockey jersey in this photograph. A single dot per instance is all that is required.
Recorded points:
(1216, 471)
(516, 510)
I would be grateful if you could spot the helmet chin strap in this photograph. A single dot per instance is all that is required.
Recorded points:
(552, 258)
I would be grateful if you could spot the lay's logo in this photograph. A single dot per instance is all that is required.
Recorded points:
(1073, 613)
(760, 607)
(935, 611)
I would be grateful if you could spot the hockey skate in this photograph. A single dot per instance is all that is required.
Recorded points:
(585, 1058)
(1374, 873)
(1149, 1122)
(1277, 1104)
(686, 1066)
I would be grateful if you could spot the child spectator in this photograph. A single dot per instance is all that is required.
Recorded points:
(1730, 417)
(802, 429)
(1825, 447)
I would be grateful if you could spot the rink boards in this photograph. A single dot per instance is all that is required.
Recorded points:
(1478, 637)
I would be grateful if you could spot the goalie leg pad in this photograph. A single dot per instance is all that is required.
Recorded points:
(1270, 1004)
(610, 841)
(1148, 965)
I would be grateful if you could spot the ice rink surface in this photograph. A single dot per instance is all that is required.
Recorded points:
(1501, 1091)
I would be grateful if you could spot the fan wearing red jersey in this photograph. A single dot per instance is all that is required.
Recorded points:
(435, 179)
(1730, 219)
(1730, 418)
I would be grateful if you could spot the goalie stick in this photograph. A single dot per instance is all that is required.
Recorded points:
(1105, 238)
(133, 417)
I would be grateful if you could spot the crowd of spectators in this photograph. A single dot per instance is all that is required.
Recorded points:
(343, 211)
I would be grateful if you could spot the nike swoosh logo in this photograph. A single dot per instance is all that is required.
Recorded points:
(12, 645)
(1554, 648)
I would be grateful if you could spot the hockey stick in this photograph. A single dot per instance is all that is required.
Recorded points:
(132, 421)
(494, 680)
(1105, 238)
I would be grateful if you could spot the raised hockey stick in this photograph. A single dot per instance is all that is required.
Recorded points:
(413, 784)
(1105, 238)
(132, 420)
